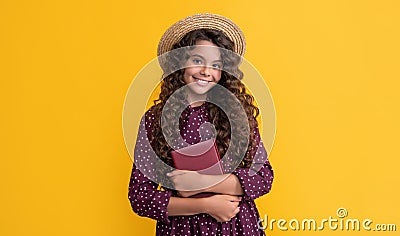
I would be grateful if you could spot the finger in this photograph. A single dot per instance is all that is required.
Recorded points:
(180, 172)
(235, 198)
(172, 173)
(235, 213)
(237, 210)
(183, 193)
(236, 204)
(175, 172)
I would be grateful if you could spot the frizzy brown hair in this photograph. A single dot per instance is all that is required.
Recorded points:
(230, 79)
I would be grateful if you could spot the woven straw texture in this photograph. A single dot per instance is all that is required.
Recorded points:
(200, 21)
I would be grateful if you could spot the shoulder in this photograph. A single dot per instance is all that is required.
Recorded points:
(151, 117)
(150, 114)
(148, 122)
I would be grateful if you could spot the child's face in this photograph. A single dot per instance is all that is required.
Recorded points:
(203, 68)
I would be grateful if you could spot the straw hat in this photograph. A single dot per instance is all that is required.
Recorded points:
(202, 21)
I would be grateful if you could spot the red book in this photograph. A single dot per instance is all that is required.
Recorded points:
(202, 157)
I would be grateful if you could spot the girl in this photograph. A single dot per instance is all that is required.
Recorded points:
(231, 211)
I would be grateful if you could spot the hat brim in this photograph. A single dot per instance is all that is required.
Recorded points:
(202, 21)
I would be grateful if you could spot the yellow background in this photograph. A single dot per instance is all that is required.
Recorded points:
(332, 68)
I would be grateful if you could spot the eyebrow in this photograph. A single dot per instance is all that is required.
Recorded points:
(197, 55)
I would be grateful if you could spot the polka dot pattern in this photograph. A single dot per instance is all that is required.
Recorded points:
(149, 201)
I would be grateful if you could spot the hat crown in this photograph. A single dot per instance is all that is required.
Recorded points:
(202, 21)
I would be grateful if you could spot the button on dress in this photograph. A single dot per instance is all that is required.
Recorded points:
(149, 201)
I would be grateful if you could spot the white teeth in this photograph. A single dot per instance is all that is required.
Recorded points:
(202, 82)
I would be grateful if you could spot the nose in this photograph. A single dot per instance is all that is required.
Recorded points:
(205, 71)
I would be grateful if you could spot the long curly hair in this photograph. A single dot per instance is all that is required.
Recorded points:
(231, 77)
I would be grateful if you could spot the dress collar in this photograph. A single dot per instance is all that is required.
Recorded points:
(197, 108)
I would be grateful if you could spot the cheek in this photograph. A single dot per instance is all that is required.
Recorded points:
(186, 75)
(190, 71)
(217, 75)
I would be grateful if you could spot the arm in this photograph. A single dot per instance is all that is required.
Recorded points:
(186, 206)
(186, 180)
(251, 182)
(226, 184)
(145, 199)
(257, 179)
(220, 207)
(230, 185)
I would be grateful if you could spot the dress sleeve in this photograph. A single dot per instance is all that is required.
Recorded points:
(145, 198)
(257, 179)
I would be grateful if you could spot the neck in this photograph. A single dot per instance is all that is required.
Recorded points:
(196, 100)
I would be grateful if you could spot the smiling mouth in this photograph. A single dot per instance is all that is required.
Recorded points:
(201, 81)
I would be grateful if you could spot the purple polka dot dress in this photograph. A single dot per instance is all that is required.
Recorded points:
(149, 201)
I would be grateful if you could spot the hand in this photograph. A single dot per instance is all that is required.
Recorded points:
(186, 180)
(187, 193)
(222, 207)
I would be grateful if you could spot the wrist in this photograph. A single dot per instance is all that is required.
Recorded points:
(203, 204)
(211, 181)
(205, 183)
